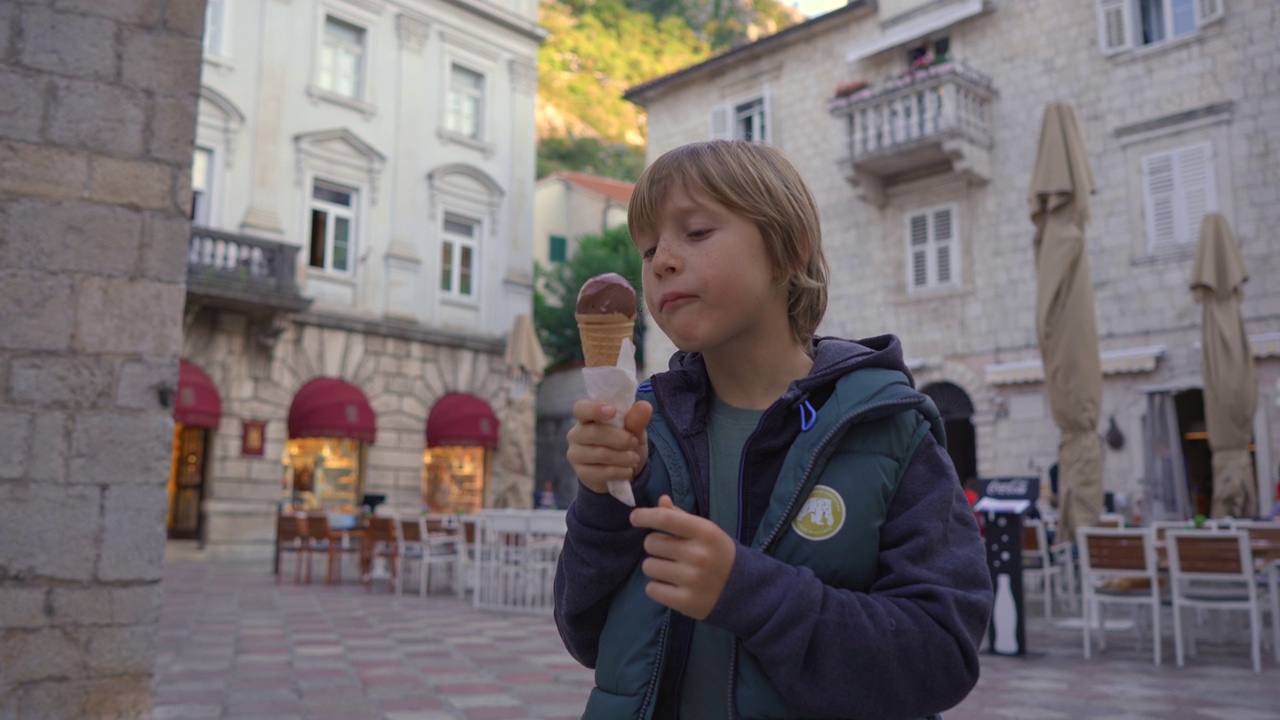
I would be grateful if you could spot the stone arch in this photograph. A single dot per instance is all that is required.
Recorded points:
(956, 408)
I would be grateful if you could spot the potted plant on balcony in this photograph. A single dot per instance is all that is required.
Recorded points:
(844, 90)
(919, 65)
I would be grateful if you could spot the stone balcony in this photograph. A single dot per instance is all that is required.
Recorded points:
(244, 274)
(935, 120)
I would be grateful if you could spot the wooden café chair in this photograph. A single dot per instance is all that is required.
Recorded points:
(384, 542)
(1117, 566)
(291, 538)
(1213, 569)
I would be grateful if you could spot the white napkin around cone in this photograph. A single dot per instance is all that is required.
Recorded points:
(617, 386)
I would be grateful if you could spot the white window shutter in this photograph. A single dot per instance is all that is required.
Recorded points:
(918, 250)
(1198, 192)
(1158, 179)
(721, 129)
(1115, 26)
(943, 240)
(1207, 11)
(766, 117)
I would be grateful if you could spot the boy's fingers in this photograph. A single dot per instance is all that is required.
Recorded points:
(668, 519)
(637, 418)
(593, 411)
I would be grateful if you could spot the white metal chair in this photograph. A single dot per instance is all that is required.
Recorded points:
(1047, 567)
(1213, 570)
(412, 546)
(1267, 562)
(1117, 566)
(443, 552)
(516, 559)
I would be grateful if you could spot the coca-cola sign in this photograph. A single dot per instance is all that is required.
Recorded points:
(1010, 488)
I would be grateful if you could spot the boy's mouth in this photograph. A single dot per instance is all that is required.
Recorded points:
(668, 300)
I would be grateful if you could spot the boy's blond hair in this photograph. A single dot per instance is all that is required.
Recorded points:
(758, 183)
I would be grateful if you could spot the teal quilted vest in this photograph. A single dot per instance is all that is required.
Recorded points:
(825, 513)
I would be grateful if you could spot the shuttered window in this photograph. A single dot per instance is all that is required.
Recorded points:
(1126, 24)
(933, 248)
(1180, 189)
(743, 120)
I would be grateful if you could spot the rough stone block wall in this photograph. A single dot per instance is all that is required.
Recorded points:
(97, 122)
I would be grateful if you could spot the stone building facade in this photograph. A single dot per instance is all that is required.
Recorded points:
(97, 118)
(1174, 99)
(364, 177)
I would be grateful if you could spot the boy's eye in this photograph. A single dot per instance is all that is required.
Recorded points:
(698, 233)
(648, 252)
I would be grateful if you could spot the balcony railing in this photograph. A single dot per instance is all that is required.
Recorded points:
(243, 270)
(936, 118)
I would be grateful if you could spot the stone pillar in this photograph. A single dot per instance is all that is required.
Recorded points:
(97, 123)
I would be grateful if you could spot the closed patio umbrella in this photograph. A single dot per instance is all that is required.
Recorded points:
(1230, 386)
(1066, 326)
(514, 465)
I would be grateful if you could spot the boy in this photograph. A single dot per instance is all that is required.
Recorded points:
(801, 546)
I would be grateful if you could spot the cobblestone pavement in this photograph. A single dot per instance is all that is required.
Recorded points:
(235, 645)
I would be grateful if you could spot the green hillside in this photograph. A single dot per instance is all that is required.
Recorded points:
(596, 50)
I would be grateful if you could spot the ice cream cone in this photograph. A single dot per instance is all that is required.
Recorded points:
(602, 336)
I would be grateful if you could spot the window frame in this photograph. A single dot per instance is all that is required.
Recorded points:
(931, 249)
(214, 42)
(360, 91)
(352, 214)
(554, 243)
(458, 243)
(1119, 24)
(726, 119)
(1185, 230)
(202, 201)
(479, 95)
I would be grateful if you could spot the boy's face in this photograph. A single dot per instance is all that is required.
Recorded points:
(707, 280)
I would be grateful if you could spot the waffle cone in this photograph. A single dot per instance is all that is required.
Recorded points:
(602, 336)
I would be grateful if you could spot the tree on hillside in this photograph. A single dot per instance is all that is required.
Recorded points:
(554, 304)
(590, 155)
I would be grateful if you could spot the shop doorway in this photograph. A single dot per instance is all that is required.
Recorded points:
(186, 482)
(197, 410)
(462, 436)
(957, 416)
(330, 425)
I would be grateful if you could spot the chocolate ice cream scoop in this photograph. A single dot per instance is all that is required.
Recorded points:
(607, 294)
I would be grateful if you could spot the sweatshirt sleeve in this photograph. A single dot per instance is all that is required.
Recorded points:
(601, 550)
(911, 642)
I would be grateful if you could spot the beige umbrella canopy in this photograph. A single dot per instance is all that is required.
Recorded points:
(1230, 386)
(514, 466)
(1066, 324)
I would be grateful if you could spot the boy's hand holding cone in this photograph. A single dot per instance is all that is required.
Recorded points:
(606, 315)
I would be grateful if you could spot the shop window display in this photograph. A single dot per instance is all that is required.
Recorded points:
(454, 479)
(324, 474)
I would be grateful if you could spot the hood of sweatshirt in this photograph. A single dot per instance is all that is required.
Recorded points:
(683, 396)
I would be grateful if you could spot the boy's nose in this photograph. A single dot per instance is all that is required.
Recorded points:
(665, 260)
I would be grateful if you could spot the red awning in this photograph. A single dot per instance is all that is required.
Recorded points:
(461, 419)
(198, 404)
(329, 407)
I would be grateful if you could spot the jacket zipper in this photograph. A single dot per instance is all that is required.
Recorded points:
(657, 666)
(813, 460)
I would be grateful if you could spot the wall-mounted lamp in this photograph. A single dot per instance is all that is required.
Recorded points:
(164, 393)
(1114, 437)
(998, 406)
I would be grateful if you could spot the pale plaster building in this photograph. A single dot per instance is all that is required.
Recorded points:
(922, 183)
(568, 205)
(363, 213)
